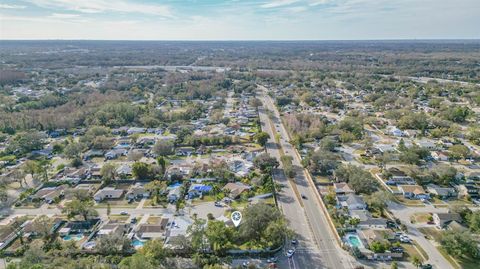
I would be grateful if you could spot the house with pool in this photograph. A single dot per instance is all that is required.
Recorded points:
(78, 230)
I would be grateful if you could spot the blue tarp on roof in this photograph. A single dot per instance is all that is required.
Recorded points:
(202, 188)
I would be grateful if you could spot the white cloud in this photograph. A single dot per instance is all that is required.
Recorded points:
(6, 6)
(317, 2)
(64, 16)
(279, 3)
(99, 6)
(297, 9)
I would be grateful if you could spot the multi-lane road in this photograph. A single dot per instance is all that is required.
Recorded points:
(318, 247)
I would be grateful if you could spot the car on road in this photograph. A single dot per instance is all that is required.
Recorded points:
(123, 213)
(294, 241)
(245, 264)
(426, 266)
(218, 204)
(133, 220)
(290, 253)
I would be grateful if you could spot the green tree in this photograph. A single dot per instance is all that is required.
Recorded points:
(23, 143)
(321, 162)
(262, 138)
(113, 244)
(378, 200)
(137, 261)
(108, 172)
(163, 148)
(154, 250)
(73, 150)
(79, 208)
(416, 261)
(377, 247)
(459, 244)
(265, 162)
(162, 163)
(458, 152)
(473, 221)
(141, 170)
(358, 179)
(219, 236)
(263, 224)
(197, 235)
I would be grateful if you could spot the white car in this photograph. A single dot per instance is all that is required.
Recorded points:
(405, 239)
(290, 253)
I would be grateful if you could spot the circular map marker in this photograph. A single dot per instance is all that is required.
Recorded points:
(236, 218)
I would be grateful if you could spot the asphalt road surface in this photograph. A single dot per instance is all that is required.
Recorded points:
(317, 244)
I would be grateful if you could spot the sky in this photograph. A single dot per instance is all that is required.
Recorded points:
(239, 19)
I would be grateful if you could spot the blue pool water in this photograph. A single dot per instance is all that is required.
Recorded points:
(354, 241)
(75, 237)
(137, 243)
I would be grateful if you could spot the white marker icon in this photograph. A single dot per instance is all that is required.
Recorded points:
(236, 218)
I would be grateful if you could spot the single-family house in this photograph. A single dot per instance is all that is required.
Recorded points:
(393, 130)
(197, 190)
(342, 188)
(413, 192)
(441, 192)
(113, 227)
(108, 193)
(467, 190)
(184, 151)
(49, 194)
(124, 171)
(427, 144)
(442, 220)
(174, 194)
(153, 231)
(77, 227)
(373, 223)
(136, 130)
(137, 191)
(235, 189)
(439, 156)
(351, 202)
(93, 153)
(115, 153)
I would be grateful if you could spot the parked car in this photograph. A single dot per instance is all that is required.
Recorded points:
(272, 260)
(294, 241)
(405, 239)
(123, 213)
(304, 197)
(290, 253)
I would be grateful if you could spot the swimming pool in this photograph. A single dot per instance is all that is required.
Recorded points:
(74, 237)
(354, 241)
(137, 243)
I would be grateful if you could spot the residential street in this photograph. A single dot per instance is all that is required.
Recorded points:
(404, 213)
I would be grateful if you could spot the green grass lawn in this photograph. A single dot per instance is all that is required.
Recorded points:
(411, 251)
(121, 218)
(204, 199)
(431, 232)
(421, 217)
(117, 203)
(409, 202)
